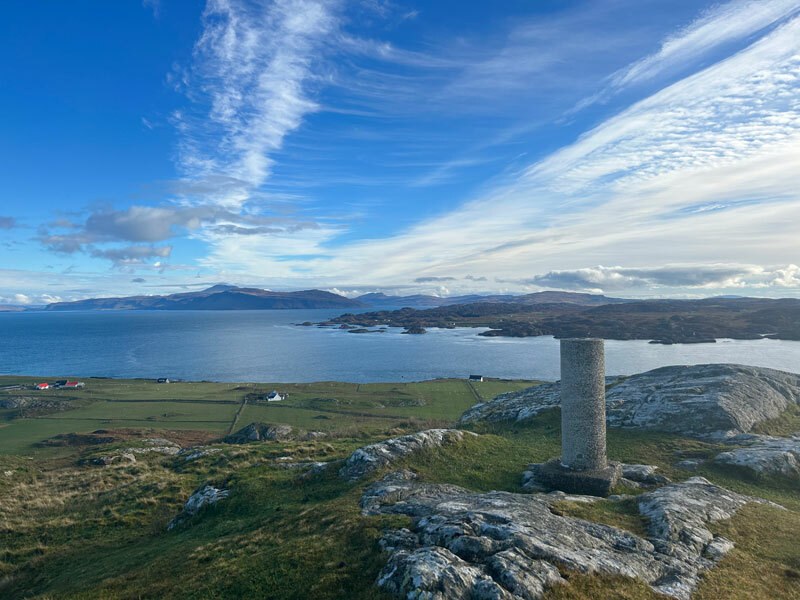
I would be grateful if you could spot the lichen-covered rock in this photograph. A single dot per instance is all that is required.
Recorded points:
(677, 517)
(702, 399)
(518, 406)
(203, 496)
(257, 432)
(699, 400)
(191, 454)
(434, 573)
(766, 456)
(502, 545)
(641, 476)
(122, 458)
(369, 459)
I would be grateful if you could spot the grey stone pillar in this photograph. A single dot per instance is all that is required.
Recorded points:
(583, 405)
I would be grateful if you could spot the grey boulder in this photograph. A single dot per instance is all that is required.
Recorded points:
(205, 495)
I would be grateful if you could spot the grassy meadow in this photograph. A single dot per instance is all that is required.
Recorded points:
(223, 407)
(74, 530)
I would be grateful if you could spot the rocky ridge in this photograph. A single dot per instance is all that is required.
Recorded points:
(717, 400)
(369, 459)
(507, 546)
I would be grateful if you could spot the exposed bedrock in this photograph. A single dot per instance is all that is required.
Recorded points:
(765, 455)
(502, 545)
(699, 400)
(369, 459)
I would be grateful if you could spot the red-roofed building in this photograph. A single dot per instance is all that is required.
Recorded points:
(74, 384)
(42, 386)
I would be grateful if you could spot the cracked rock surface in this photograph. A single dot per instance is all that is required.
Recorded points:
(700, 400)
(766, 455)
(369, 459)
(509, 546)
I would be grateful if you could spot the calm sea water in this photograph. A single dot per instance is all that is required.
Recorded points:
(265, 346)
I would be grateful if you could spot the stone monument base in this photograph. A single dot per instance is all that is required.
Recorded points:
(552, 475)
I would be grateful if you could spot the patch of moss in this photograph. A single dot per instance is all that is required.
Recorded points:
(622, 513)
(786, 424)
(764, 564)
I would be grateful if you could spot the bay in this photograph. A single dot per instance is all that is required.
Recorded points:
(267, 346)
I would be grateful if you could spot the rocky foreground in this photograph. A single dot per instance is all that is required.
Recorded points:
(501, 545)
(717, 400)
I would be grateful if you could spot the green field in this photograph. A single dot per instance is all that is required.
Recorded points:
(223, 407)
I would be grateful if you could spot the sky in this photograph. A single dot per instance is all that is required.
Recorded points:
(639, 148)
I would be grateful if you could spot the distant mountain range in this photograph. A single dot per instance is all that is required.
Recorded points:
(218, 297)
(229, 297)
(422, 301)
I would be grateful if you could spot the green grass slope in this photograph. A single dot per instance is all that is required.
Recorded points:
(71, 530)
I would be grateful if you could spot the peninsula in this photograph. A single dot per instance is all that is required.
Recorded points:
(661, 321)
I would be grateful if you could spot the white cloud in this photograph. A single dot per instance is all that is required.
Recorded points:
(627, 278)
(703, 172)
(254, 64)
(788, 277)
(728, 136)
(720, 25)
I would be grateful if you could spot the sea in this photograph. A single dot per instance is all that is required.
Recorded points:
(269, 346)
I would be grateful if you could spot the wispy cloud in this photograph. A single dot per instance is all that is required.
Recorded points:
(254, 65)
(433, 279)
(720, 26)
(726, 134)
(669, 180)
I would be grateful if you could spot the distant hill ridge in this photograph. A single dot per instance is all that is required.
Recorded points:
(379, 300)
(218, 297)
(230, 297)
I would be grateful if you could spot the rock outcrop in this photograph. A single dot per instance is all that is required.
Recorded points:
(513, 546)
(765, 455)
(700, 400)
(369, 459)
(205, 495)
(521, 405)
(157, 446)
(124, 458)
(258, 432)
(191, 454)
(263, 432)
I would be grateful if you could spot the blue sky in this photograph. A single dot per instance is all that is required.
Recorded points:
(632, 147)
